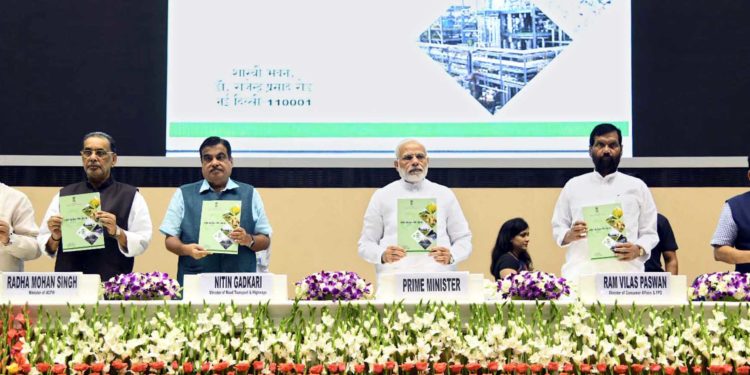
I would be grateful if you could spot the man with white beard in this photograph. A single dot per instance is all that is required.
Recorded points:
(378, 242)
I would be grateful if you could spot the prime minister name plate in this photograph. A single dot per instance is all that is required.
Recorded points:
(650, 287)
(219, 287)
(431, 286)
(49, 287)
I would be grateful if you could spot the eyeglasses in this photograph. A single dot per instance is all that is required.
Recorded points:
(100, 153)
(409, 157)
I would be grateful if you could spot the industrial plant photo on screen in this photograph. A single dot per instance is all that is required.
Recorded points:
(494, 48)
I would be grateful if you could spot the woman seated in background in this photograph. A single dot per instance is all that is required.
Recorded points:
(511, 254)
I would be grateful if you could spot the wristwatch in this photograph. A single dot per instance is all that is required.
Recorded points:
(252, 241)
(641, 251)
(117, 232)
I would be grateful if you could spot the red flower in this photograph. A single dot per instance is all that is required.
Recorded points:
(205, 367)
(221, 366)
(509, 368)
(536, 368)
(26, 368)
(286, 367)
(390, 365)
(258, 365)
(59, 368)
(377, 368)
(637, 368)
(697, 369)
(333, 368)
(12, 333)
(716, 369)
(342, 366)
(601, 367)
(563, 373)
(44, 367)
(553, 366)
(456, 368)
(231, 373)
(728, 368)
(272, 367)
(669, 370)
(359, 368)
(522, 367)
(440, 367)
(586, 368)
(20, 318)
(654, 367)
(683, 369)
(422, 366)
(188, 367)
(317, 369)
(621, 369)
(118, 365)
(742, 370)
(175, 366)
(493, 366)
(139, 367)
(406, 367)
(242, 366)
(473, 367)
(158, 366)
(80, 367)
(568, 367)
(97, 367)
(299, 368)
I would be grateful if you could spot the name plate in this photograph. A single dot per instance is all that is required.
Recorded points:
(238, 287)
(645, 285)
(48, 288)
(438, 285)
(233, 285)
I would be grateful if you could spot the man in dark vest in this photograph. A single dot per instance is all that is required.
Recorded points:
(731, 240)
(182, 221)
(123, 216)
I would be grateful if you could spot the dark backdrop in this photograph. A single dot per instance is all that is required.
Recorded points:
(70, 66)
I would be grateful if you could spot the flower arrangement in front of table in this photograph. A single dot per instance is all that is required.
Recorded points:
(333, 286)
(354, 339)
(721, 286)
(532, 285)
(141, 286)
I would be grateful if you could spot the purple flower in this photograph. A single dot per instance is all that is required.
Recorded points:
(335, 286)
(141, 286)
(533, 286)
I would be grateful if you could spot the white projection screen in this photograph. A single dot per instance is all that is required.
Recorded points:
(342, 78)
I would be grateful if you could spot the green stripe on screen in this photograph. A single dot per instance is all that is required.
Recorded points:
(384, 129)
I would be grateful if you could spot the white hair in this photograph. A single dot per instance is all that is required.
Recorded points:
(405, 142)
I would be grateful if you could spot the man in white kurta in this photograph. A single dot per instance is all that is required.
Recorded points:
(605, 186)
(378, 242)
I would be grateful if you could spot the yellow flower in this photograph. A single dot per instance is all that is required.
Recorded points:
(431, 208)
(12, 368)
(94, 202)
(235, 210)
(617, 212)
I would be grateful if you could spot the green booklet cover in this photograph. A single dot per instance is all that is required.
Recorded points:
(605, 228)
(80, 228)
(218, 219)
(417, 224)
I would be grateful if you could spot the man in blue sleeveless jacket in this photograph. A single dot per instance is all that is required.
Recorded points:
(181, 224)
(731, 240)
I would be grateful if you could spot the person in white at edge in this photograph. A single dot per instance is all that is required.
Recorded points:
(604, 186)
(378, 242)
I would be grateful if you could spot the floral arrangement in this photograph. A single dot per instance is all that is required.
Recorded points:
(354, 339)
(334, 286)
(141, 286)
(532, 285)
(721, 286)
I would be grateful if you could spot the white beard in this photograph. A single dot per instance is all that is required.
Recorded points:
(413, 178)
